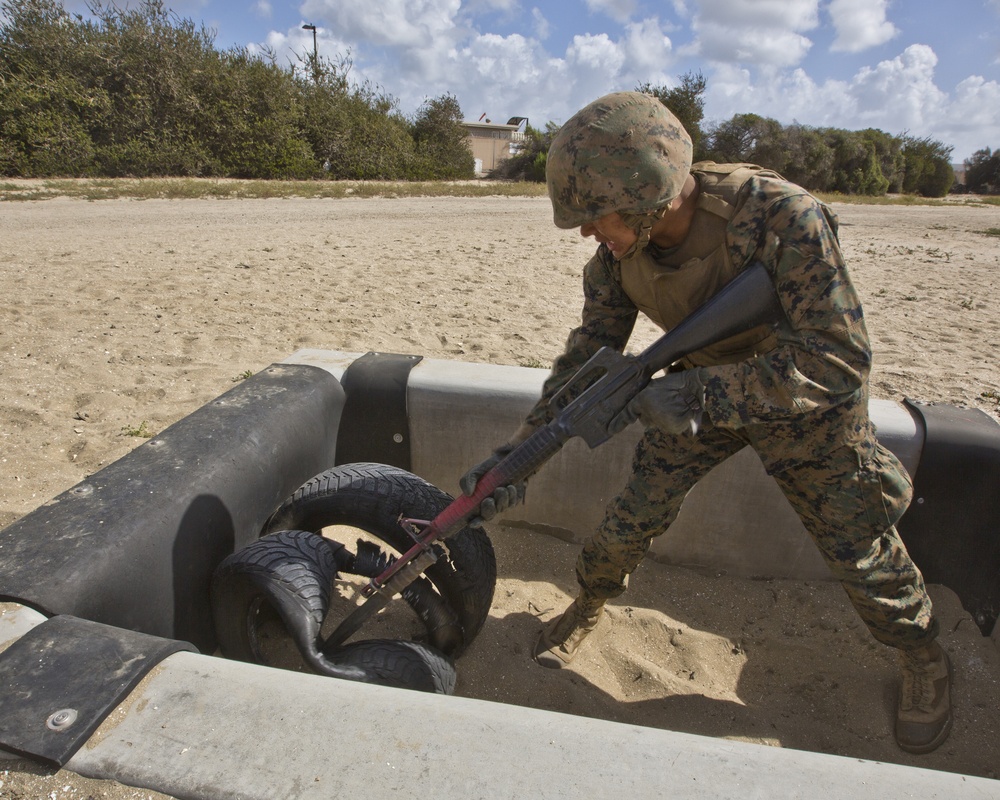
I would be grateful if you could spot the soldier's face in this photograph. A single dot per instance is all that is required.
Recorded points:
(610, 230)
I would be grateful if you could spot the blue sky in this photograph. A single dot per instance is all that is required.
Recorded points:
(924, 67)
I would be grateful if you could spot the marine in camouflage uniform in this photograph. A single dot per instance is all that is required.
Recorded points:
(796, 392)
(799, 398)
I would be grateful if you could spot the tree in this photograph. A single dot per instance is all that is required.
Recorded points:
(46, 102)
(441, 140)
(856, 166)
(138, 91)
(748, 138)
(928, 167)
(687, 103)
(355, 130)
(135, 90)
(809, 160)
(889, 154)
(528, 164)
(149, 62)
(982, 172)
(252, 119)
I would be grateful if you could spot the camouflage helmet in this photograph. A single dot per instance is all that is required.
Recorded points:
(624, 152)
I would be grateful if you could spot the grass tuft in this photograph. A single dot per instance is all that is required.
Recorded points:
(142, 431)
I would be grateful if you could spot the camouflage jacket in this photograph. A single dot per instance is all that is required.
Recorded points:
(821, 356)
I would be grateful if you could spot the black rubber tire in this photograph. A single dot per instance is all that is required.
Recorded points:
(454, 602)
(284, 580)
(289, 573)
(399, 663)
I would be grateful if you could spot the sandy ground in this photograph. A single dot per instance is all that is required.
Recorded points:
(125, 315)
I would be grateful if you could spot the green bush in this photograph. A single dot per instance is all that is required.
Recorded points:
(982, 172)
(138, 91)
(928, 167)
(46, 103)
(39, 135)
(528, 164)
(443, 151)
(869, 162)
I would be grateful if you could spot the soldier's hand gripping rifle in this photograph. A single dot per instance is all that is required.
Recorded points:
(611, 380)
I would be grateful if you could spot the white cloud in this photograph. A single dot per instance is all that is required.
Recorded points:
(681, 8)
(774, 48)
(262, 8)
(754, 32)
(501, 76)
(478, 6)
(540, 24)
(971, 121)
(595, 55)
(977, 105)
(393, 23)
(785, 96)
(973, 118)
(618, 10)
(753, 15)
(503, 59)
(647, 50)
(513, 75)
(896, 95)
(900, 90)
(860, 24)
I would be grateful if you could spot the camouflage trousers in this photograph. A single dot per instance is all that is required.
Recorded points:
(848, 494)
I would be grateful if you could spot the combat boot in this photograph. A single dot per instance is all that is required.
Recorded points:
(923, 720)
(559, 640)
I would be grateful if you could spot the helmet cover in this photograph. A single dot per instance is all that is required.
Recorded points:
(624, 152)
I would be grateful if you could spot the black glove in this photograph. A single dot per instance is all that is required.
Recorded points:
(674, 403)
(503, 497)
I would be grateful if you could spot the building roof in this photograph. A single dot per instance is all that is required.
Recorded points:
(492, 126)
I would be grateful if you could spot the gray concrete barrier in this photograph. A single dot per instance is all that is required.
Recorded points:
(459, 411)
(204, 728)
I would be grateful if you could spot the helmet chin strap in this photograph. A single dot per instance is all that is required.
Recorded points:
(642, 224)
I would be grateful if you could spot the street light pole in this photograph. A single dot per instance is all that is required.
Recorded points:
(312, 28)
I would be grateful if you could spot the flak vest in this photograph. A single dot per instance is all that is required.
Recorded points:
(667, 285)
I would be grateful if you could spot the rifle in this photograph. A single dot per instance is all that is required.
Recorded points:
(604, 387)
